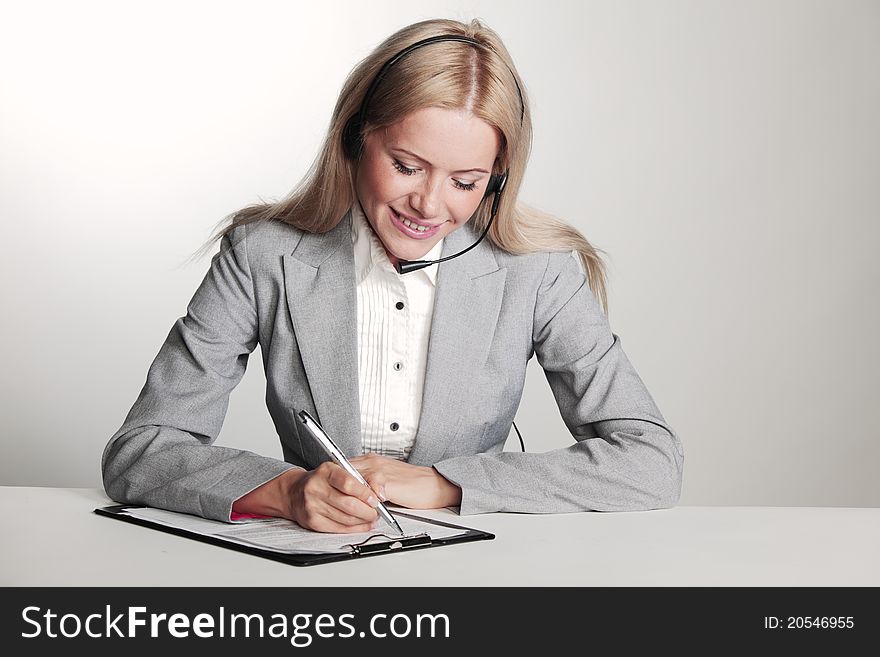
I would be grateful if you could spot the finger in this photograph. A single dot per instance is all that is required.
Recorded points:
(317, 499)
(346, 511)
(348, 485)
(351, 529)
(339, 479)
(349, 510)
(369, 463)
(377, 481)
(328, 525)
(370, 457)
(317, 506)
(327, 490)
(373, 468)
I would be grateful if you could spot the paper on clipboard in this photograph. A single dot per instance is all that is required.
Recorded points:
(281, 535)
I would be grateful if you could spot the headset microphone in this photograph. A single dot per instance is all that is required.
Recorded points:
(496, 186)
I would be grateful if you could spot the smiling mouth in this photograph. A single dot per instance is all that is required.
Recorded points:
(415, 225)
(414, 229)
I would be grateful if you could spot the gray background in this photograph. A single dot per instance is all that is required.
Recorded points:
(725, 155)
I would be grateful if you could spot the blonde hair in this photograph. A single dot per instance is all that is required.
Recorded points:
(446, 74)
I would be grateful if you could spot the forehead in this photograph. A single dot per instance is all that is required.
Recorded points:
(451, 139)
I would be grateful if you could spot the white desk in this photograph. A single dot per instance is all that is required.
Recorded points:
(684, 546)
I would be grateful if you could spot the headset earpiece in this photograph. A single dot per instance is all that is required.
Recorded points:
(493, 183)
(499, 187)
(496, 184)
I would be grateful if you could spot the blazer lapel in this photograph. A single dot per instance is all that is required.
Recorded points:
(466, 306)
(319, 283)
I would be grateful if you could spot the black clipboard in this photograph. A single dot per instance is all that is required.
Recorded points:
(367, 548)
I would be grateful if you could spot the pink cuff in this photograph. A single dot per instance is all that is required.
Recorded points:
(235, 515)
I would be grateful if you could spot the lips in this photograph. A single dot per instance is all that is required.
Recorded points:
(409, 231)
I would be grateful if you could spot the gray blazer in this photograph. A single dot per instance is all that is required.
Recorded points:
(293, 293)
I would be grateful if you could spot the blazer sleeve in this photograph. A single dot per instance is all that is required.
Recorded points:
(625, 456)
(163, 455)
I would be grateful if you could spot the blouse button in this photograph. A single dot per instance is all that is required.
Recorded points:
(398, 367)
(395, 426)
(399, 305)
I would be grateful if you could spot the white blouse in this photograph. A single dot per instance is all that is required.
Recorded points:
(393, 325)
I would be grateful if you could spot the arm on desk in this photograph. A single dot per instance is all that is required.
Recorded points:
(163, 455)
(626, 457)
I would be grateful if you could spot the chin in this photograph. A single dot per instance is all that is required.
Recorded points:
(413, 255)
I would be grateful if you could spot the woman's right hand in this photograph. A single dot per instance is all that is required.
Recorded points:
(328, 499)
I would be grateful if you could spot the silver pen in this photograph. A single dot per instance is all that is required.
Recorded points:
(336, 454)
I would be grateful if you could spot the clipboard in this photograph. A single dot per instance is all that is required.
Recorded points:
(377, 544)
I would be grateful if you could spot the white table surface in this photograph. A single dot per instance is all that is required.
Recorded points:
(51, 537)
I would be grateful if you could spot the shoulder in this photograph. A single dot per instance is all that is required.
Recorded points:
(268, 237)
(259, 244)
(546, 280)
(543, 267)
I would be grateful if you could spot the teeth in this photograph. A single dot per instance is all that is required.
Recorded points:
(414, 226)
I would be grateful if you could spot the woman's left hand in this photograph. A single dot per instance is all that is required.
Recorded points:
(412, 486)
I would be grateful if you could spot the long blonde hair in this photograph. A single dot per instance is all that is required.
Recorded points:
(446, 74)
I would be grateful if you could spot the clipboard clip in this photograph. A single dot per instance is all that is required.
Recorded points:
(392, 544)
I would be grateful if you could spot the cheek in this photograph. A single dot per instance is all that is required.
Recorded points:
(465, 205)
(385, 187)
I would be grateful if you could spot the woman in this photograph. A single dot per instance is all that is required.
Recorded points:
(417, 376)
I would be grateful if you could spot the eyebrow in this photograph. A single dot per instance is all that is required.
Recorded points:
(424, 161)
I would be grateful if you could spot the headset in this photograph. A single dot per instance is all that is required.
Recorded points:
(353, 142)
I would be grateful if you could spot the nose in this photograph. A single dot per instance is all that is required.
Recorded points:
(427, 197)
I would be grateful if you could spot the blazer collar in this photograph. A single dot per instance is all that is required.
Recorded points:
(319, 287)
(314, 249)
(475, 263)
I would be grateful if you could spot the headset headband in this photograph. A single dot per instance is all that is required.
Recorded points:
(352, 138)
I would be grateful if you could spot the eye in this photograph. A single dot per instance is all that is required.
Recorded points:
(405, 170)
(468, 187)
